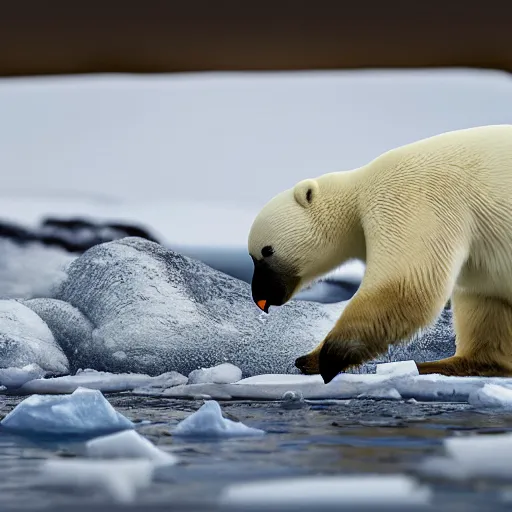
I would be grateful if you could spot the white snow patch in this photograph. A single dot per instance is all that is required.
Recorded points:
(208, 421)
(484, 456)
(225, 373)
(119, 479)
(102, 381)
(128, 444)
(328, 490)
(492, 395)
(13, 378)
(85, 411)
(397, 369)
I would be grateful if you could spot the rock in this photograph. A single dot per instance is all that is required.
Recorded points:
(165, 311)
(72, 331)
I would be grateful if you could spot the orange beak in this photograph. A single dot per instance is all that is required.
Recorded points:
(262, 304)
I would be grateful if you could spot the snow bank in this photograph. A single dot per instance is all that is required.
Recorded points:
(84, 412)
(371, 490)
(208, 421)
(118, 479)
(128, 445)
(102, 381)
(25, 339)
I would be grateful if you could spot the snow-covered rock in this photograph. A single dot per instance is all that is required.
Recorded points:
(102, 381)
(120, 480)
(165, 312)
(84, 412)
(71, 330)
(225, 373)
(13, 378)
(25, 339)
(328, 491)
(128, 444)
(208, 421)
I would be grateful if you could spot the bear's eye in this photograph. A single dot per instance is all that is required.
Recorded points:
(267, 251)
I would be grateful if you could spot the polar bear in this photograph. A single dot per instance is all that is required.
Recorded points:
(432, 220)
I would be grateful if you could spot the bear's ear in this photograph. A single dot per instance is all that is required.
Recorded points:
(305, 192)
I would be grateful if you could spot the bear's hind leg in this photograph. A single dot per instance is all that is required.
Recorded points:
(483, 328)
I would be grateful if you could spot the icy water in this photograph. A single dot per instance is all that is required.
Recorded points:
(330, 438)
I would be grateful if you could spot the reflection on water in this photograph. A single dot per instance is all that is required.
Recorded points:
(357, 436)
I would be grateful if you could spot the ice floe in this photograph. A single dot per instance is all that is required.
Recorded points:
(120, 480)
(318, 491)
(128, 444)
(208, 421)
(102, 381)
(84, 412)
(475, 456)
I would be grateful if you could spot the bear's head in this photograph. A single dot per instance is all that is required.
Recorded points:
(291, 244)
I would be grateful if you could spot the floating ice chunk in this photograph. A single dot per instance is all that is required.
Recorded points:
(328, 491)
(84, 412)
(225, 373)
(103, 381)
(398, 369)
(293, 400)
(119, 479)
(382, 394)
(471, 457)
(13, 378)
(128, 444)
(491, 395)
(208, 421)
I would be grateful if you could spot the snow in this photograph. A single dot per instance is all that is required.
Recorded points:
(13, 378)
(139, 137)
(84, 412)
(208, 421)
(25, 339)
(315, 491)
(118, 479)
(397, 369)
(492, 396)
(225, 373)
(103, 381)
(128, 444)
(474, 456)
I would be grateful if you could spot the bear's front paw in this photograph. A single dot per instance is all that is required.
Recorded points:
(308, 364)
(337, 356)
